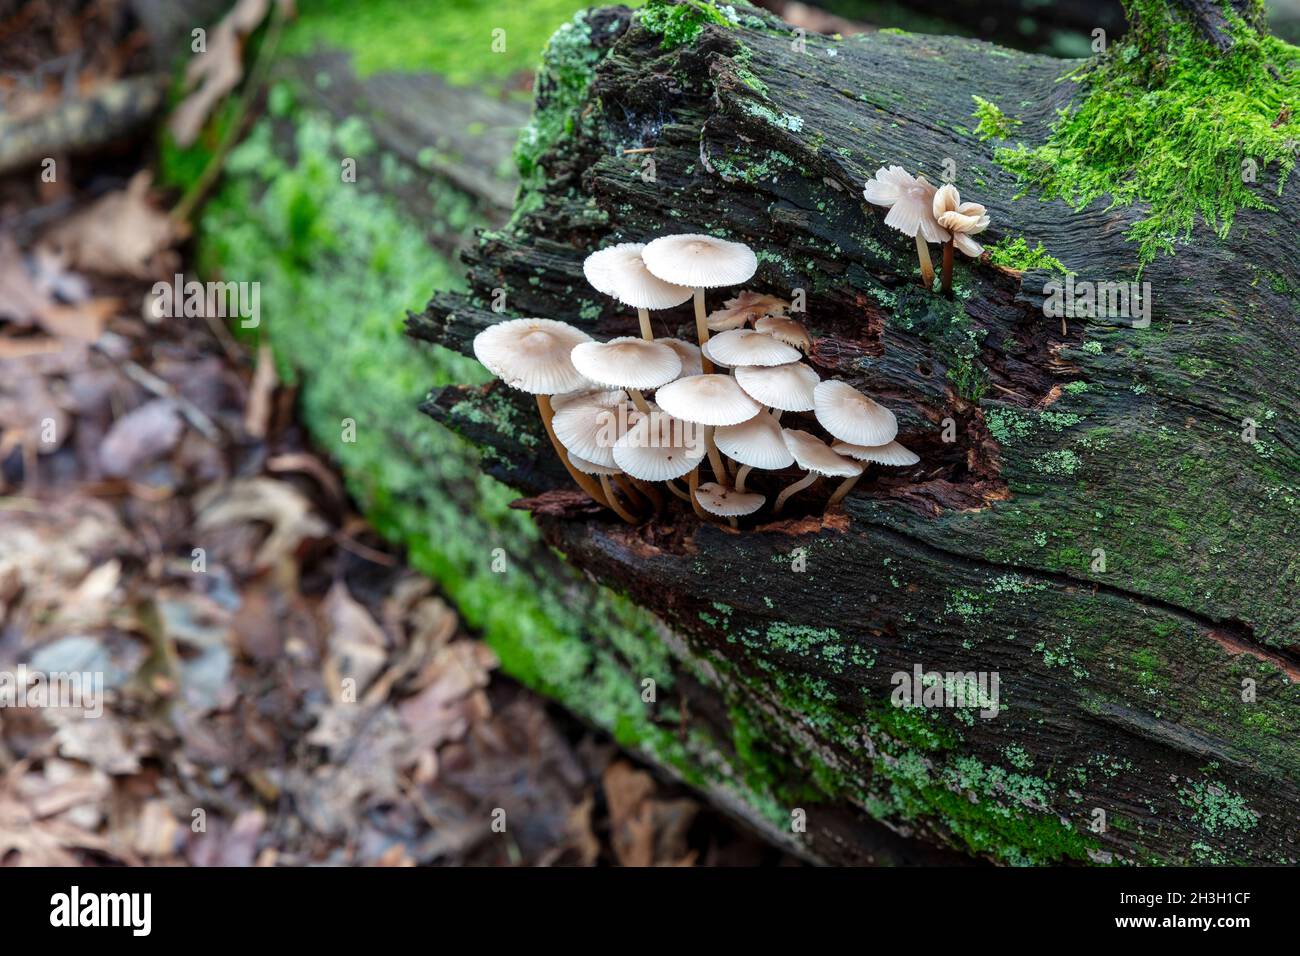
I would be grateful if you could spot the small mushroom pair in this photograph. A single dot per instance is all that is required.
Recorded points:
(864, 429)
(666, 272)
(928, 214)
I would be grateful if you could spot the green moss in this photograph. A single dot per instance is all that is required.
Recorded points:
(1168, 120)
(455, 40)
(1013, 252)
(561, 86)
(679, 22)
(992, 121)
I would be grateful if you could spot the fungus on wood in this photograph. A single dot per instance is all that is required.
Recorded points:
(1104, 508)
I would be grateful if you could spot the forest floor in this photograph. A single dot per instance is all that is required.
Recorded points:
(165, 522)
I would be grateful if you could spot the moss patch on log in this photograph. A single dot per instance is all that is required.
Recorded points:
(1169, 121)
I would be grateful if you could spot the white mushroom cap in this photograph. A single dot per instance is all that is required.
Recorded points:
(909, 200)
(627, 362)
(590, 467)
(963, 219)
(589, 427)
(698, 261)
(812, 454)
(747, 347)
(707, 400)
(532, 355)
(785, 330)
(735, 317)
(787, 387)
(757, 443)
(891, 454)
(620, 273)
(688, 352)
(728, 502)
(602, 395)
(659, 448)
(761, 302)
(852, 417)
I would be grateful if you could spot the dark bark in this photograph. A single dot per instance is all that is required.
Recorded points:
(1123, 688)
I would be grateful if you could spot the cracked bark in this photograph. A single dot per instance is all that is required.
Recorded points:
(1123, 688)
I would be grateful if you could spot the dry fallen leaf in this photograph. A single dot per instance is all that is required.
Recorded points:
(119, 234)
(140, 436)
(645, 831)
(276, 503)
(215, 72)
(357, 646)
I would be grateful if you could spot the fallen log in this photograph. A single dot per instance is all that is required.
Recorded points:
(1108, 528)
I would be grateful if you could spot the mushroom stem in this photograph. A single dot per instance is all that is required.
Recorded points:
(585, 482)
(845, 487)
(742, 475)
(702, 329)
(715, 458)
(923, 256)
(650, 492)
(799, 485)
(947, 267)
(646, 332)
(672, 486)
(776, 414)
(693, 482)
(614, 502)
(639, 400)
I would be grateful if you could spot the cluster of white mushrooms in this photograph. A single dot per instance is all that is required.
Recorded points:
(928, 214)
(619, 444)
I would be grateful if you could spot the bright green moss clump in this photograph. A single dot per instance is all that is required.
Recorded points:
(992, 121)
(680, 23)
(457, 39)
(1170, 121)
(1014, 253)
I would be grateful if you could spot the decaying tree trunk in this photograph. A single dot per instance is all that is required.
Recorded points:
(1095, 532)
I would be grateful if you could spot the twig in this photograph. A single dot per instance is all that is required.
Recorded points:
(152, 383)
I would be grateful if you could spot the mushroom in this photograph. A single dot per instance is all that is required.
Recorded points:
(658, 447)
(892, 454)
(910, 203)
(620, 273)
(963, 220)
(688, 352)
(761, 302)
(627, 362)
(533, 355)
(708, 400)
(701, 262)
(785, 330)
(588, 427)
(737, 347)
(732, 318)
(815, 457)
(783, 388)
(757, 443)
(851, 416)
(727, 502)
(604, 473)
